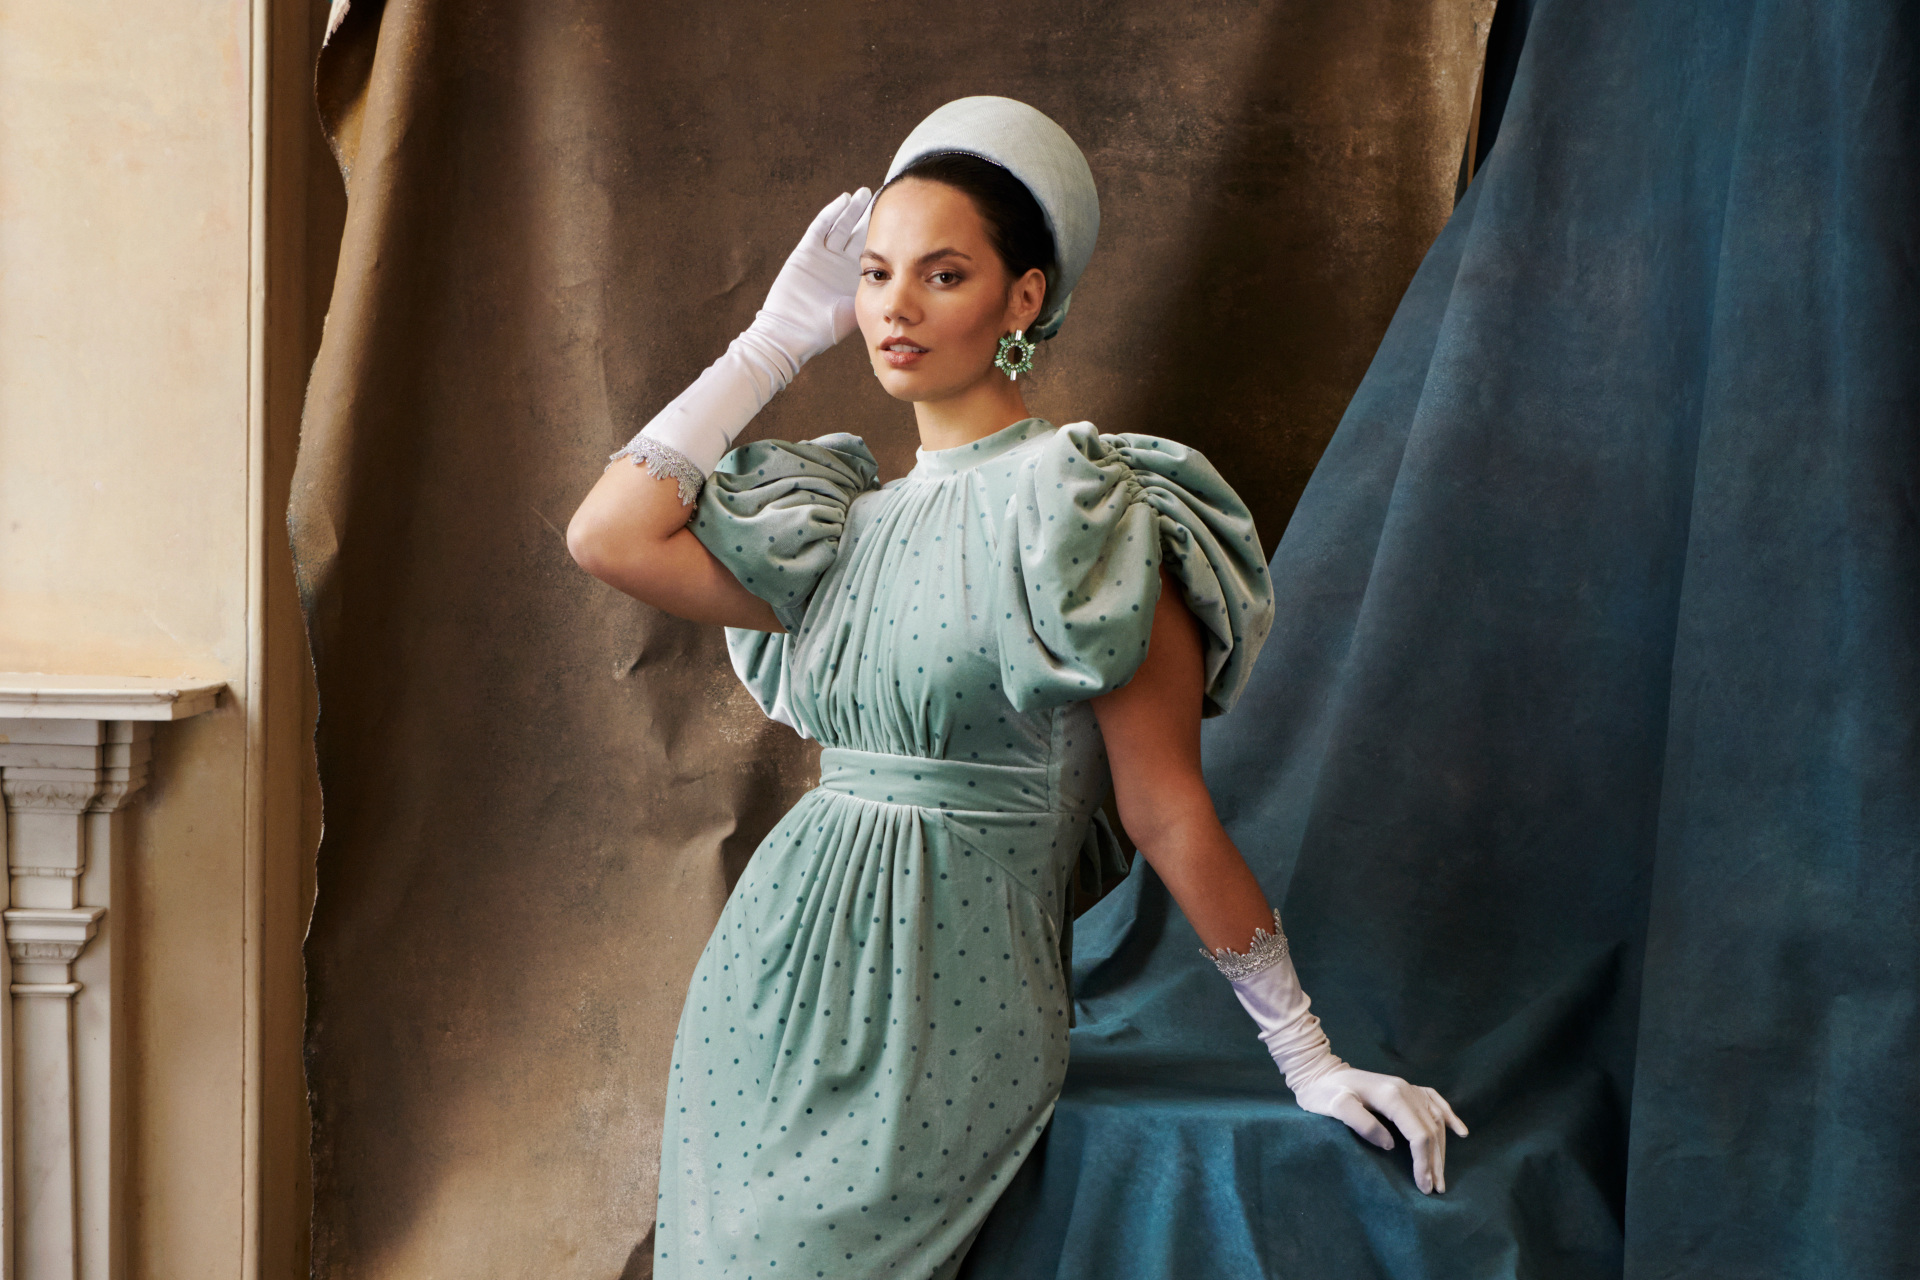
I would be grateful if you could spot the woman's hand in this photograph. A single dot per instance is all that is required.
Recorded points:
(1359, 1098)
(810, 307)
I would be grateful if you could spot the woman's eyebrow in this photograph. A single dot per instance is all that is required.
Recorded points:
(925, 258)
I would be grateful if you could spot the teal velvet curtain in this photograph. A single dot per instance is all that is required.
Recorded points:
(1585, 758)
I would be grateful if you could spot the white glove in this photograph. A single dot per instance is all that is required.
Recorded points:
(1269, 990)
(808, 310)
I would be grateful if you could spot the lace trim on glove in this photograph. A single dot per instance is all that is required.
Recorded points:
(664, 462)
(1265, 951)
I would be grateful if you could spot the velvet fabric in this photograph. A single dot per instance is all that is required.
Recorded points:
(1584, 760)
(873, 1037)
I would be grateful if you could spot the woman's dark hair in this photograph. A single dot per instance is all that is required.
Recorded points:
(1015, 224)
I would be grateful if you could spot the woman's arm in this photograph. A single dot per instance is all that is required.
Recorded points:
(1152, 729)
(631, 533)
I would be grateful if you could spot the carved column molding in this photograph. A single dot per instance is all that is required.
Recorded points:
(73, 752)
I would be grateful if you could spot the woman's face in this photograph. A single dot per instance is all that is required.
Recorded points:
(934, 298)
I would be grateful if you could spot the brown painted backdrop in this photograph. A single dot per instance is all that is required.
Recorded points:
(537, 791)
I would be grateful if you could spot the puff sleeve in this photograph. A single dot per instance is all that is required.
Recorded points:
(772, 512)
(1092, 520)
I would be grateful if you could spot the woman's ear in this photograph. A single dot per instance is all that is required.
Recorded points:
(1025, 297)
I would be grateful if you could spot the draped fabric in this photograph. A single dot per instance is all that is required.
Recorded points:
(1584, 760)
(538, 793)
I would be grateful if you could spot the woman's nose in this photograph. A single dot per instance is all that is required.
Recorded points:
(895, 304)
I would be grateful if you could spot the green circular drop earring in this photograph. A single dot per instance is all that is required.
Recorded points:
(1016, 355)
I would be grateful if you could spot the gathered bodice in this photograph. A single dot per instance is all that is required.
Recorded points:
(967, 610)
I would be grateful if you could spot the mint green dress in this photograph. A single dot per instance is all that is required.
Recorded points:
(877, 1030)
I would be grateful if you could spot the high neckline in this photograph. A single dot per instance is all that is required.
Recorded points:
(964, 457)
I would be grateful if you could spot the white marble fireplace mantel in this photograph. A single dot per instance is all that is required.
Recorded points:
(73, 751)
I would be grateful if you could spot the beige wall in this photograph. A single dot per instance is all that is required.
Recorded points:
(161, 267)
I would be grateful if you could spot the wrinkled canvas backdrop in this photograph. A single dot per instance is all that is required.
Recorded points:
(538, 791)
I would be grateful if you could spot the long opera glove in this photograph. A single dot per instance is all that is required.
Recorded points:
(808, 310)
(1269, 990)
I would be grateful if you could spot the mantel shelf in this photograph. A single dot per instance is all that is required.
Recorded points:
(26, 695)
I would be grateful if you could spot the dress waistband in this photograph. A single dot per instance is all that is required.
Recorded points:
(937, 784)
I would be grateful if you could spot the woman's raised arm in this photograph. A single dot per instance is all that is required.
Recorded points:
(631, 532)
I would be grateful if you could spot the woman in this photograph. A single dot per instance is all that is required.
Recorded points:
(877, 1030)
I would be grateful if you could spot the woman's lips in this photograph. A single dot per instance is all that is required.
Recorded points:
(901, 353)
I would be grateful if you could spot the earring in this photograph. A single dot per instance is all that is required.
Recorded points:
(1016, 355)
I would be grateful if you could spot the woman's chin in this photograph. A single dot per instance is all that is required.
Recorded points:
(911, 385)
(916, 386)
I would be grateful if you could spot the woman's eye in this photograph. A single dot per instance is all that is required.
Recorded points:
(874, 274)
(946, 277)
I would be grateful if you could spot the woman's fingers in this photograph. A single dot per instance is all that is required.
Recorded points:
(857, 234)
(849, 212)
(1426, 1136)
(1436, 1153)
(1350, 1111)
(820, 230)
(1454, 1122)
(1361, 1100)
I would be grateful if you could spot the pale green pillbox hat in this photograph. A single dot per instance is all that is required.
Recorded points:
(1030, 146)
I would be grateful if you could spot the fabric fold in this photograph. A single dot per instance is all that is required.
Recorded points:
(1092, 520)
(772, 512)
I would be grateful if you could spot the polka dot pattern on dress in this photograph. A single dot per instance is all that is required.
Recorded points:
(876, 1031)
